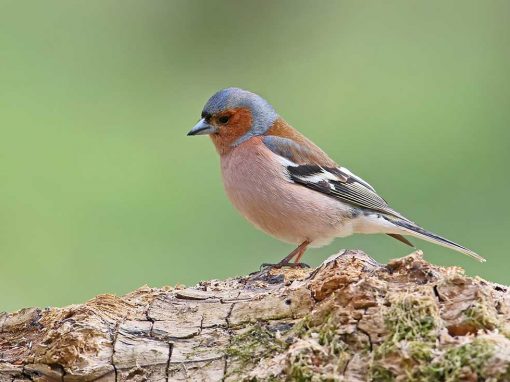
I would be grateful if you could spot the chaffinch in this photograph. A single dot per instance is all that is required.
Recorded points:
(288, 187)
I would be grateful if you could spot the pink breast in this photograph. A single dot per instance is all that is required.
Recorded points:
(256, 183)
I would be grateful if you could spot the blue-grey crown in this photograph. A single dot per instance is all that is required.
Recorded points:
(262, 112)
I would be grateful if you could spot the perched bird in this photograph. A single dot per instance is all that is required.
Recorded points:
(288, 187)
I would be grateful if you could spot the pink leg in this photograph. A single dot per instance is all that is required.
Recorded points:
(304, 247)
(297, 253)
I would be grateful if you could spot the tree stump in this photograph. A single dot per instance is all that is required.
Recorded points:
(350, 319)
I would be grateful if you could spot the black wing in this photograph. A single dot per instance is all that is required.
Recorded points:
(340, 183)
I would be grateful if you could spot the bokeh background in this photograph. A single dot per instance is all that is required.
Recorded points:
(101, 191)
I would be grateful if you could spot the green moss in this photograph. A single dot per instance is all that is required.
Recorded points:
(327, 335)
(481, 316)
(302, 327)
(465, 362)
(324, 353)
(300, 369)
(300, 372)
(320, 356)
(411, 349)
(412, 324)
(412, 318)
(258, 342)
(381, 374)
(269, 379)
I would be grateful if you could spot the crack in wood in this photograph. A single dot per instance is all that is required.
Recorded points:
(167, 369)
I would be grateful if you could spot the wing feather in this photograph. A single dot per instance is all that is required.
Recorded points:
(341, 185)
(309, 166)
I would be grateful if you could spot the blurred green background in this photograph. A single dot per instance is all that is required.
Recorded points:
(101, 190)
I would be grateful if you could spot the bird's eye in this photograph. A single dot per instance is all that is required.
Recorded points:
(223, 119)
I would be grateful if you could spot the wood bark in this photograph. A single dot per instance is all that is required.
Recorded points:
(350, 319)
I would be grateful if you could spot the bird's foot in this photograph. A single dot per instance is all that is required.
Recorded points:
(281, 264)
(276, 273)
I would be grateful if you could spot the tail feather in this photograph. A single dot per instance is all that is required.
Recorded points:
(421, 233)
(401, 238)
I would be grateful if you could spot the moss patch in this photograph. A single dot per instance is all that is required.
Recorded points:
(412, 318)
(256, 343)
(482, 315)
(319, 353)
(412, 324)
(462, 363)
(412, 349)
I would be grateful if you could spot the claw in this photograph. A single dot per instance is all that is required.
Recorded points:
(266, 265)
(279, 265)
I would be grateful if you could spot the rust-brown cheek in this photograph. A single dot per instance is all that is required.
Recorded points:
(238, 125)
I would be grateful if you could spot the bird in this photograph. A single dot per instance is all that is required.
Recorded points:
(288, 187)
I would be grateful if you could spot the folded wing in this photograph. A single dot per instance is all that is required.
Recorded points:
(308, 167)
(341, 184)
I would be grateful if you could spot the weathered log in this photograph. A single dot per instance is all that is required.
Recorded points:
(351, 319)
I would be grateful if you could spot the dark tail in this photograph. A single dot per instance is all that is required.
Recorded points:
(414, 230)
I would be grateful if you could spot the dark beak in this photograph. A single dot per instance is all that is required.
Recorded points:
(202, 128)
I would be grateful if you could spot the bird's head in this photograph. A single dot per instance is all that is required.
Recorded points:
(232, 116)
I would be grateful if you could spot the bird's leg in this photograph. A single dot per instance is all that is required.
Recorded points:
(302, 249)
(297, 253)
